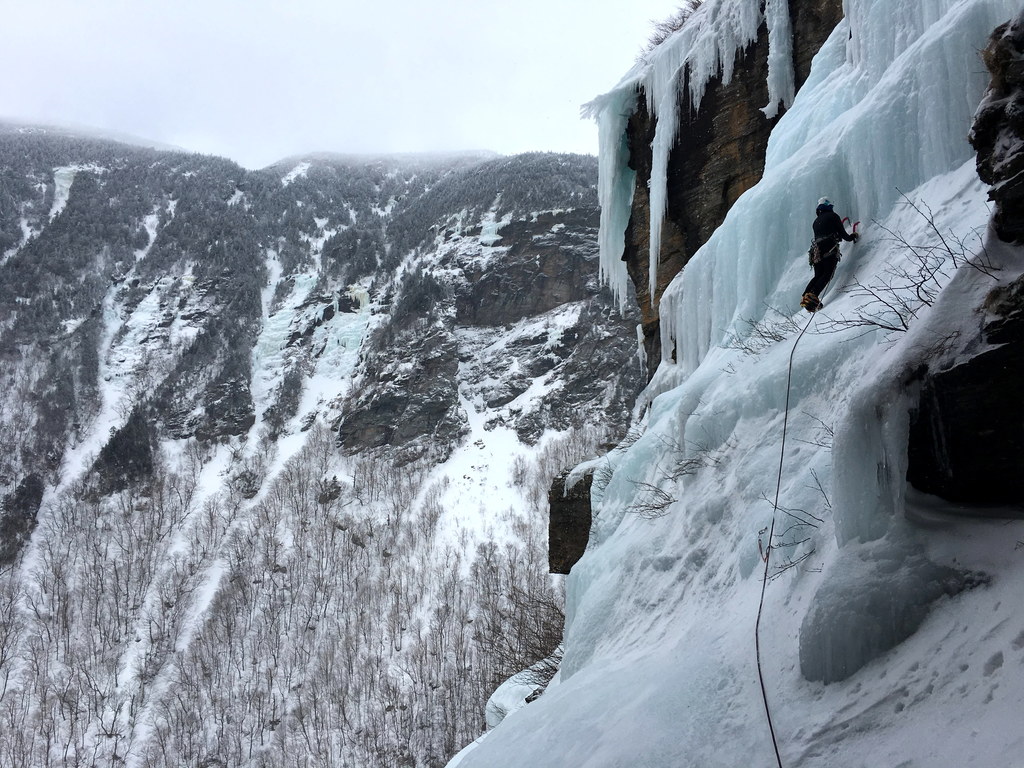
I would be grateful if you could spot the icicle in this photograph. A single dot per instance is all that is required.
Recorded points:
(664, 138)
(781, 77)
(641, 350)
(706, 46)
(616, 182)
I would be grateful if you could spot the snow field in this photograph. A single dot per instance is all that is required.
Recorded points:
(300, 169)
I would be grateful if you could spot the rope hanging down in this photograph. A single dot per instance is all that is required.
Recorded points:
(768, 548)
(775, 509)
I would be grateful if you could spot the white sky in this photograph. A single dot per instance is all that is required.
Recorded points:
(258, 80)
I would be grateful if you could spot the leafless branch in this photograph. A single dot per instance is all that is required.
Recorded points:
(774, 327)
(894, 298)
(789, 564)
(795, 513)
(824, 436)
(817, 481)
(651, 502)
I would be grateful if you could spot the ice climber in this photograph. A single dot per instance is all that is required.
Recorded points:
(824, 254)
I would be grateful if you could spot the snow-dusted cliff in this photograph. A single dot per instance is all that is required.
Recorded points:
(891, 632)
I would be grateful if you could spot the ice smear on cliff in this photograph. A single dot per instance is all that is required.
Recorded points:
(659, 659)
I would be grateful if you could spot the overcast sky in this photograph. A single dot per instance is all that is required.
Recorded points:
(258, 80)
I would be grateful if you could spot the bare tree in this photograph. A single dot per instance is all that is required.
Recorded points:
(664, 29)
(650, 502)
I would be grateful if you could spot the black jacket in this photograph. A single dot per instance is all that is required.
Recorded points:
(829, 230)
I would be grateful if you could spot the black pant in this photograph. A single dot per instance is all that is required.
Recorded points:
(823, 272)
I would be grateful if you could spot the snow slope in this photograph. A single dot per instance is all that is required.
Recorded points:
(659, 667)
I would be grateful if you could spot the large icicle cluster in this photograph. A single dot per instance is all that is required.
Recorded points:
(706, 46)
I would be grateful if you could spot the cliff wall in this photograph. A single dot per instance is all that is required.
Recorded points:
(718, 155)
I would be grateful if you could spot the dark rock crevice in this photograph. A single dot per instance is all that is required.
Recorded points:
(998, 131)
(812, 22)
(967, 433)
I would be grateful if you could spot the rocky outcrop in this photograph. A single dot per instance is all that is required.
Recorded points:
(503, 318)
(967, 433)
(543, 268)
(409, 399)
(569, 522)
(718, 155)
(998, 132)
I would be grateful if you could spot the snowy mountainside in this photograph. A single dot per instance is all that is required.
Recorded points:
(280, 443)
(890, 631)
(507, 299)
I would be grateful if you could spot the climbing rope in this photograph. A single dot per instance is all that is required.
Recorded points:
(768, 548)
(775, 510)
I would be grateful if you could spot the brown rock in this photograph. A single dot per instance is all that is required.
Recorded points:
(569, 522)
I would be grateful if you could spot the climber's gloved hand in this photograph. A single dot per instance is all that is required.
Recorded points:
(856, 236)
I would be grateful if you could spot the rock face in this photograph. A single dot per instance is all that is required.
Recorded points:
(569, 523)
(967, 435)
(503, 317)
(540, 270)
(998, 132)
(718, 155)
(408, 397)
